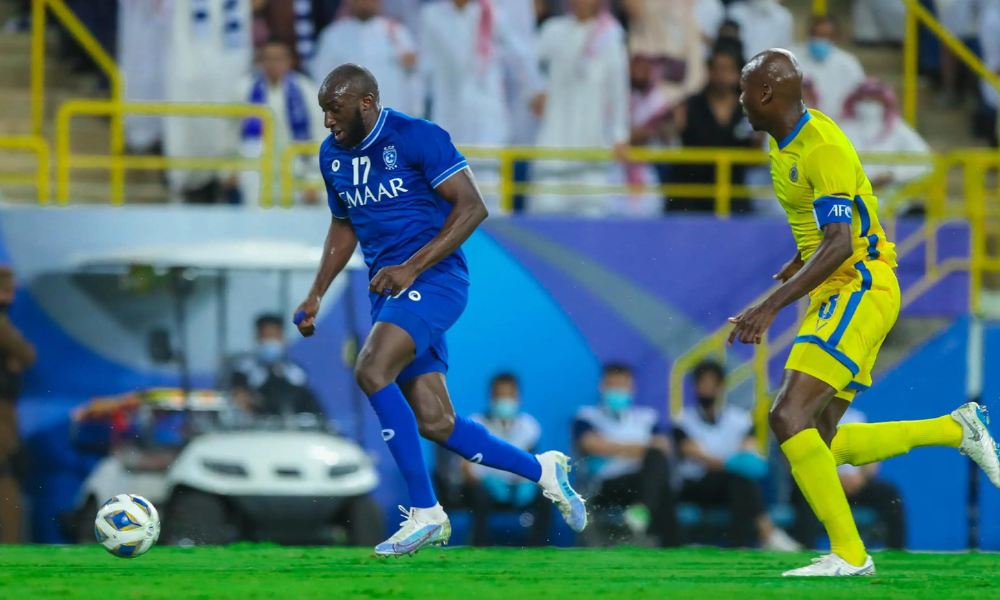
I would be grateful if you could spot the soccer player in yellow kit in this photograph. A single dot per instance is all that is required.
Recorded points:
(845, 264)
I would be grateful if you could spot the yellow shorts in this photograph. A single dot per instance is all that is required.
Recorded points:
(848, 319)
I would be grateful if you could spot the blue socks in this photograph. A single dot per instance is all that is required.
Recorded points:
(399, 430)
(473, 442)
(470, 440)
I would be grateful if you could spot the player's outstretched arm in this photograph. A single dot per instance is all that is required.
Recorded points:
(337, 250)
(831, 253)
(467, 211)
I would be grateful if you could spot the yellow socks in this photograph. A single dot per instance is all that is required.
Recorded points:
(815, 471)
(863, 443)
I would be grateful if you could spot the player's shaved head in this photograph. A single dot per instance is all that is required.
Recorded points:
(350, 79)
(350, 103)
(772, 91)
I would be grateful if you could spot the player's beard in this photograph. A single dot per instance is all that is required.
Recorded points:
(356, 131)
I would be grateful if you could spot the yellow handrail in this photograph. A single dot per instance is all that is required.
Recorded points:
(723, 158)
(916, 15)
(66, 161)
(42, 169)
(103, 60)
(916, 12)
(287, 172)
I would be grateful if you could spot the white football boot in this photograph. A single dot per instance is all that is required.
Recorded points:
(418, 530)
(831, 565)
(977, 443)
(555, 486)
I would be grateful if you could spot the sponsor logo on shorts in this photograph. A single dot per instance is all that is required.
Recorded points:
(414, 295)
(478, 458)
(388, 434)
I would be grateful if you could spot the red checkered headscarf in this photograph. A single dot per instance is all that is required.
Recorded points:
(873, 89)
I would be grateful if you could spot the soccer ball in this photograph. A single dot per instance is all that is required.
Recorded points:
(127, 525)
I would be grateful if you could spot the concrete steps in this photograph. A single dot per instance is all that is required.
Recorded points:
(89, 135)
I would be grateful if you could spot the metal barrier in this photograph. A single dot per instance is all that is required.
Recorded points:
(916, 15)
(93, 48)
(40, 179)
(722, 191)
(65, 160)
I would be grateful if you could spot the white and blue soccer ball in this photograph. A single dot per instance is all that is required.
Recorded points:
(127, 525)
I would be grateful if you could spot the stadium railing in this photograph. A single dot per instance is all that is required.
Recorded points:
(722, 191)
(916, 15)
(68, 19)
(40, 177)
(66, 160)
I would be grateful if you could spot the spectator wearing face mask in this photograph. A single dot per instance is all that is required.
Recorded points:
(763, 24)
(626, 452)
(720, 463)
(486, 491)
(833, 71)
(266, 382)
(872, 123)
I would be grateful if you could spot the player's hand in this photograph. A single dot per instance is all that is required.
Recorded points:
(305, 316)
(790, 269)
(752, 323)
(390, 281)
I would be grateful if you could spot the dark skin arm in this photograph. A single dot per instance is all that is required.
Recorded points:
(337, 250)
(467, 211)
(831, 253)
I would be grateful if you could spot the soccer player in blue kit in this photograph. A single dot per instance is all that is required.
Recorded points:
(398, 186)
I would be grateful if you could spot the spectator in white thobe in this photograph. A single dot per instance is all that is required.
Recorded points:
(835, 72)
(464, 47)
(989, 43)
(587, 99)
(383, 46)
(667, 32)
(468, 52)
(210, 52)
(142, 44)
(297, 118)
(520, 14)
(763, 24)
(872, 122)
(879, 21)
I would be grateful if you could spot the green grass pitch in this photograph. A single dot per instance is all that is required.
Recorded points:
(248, 571)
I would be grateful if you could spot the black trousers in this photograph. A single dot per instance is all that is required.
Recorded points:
(482, 504)
(649, 487)
(740, 495)
(880, 496)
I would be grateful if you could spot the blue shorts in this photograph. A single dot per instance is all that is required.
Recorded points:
(425, 310)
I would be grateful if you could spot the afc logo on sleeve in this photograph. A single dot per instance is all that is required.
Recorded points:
(840, 210)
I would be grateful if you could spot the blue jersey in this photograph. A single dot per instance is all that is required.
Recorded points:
(385, 186)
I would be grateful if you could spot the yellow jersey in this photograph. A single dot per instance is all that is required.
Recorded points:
(819, 179)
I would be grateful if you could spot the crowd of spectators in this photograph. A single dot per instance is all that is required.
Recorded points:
(556, 73)
(654, 481)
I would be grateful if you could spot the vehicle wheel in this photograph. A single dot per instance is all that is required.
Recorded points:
(197, 518)
(362, 518)
(83, 527)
